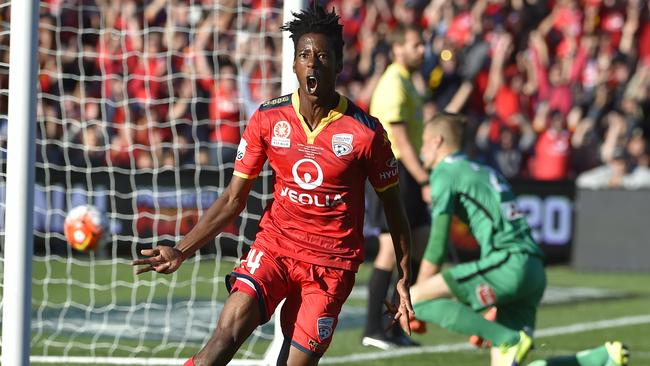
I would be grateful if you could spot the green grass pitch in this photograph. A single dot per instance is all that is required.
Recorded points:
(114, 286)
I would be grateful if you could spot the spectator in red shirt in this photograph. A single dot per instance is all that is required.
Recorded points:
(224, 105)
(224, 111)
(147, 82)
(553, 78)
(119, 42)
(552, 150)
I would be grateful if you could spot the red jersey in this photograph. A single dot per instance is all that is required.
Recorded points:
(318, 207)
(552, 153)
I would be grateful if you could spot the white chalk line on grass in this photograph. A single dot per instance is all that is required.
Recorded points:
(453, 347)
(601, 324)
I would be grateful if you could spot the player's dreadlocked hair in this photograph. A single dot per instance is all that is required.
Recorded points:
(316, 19)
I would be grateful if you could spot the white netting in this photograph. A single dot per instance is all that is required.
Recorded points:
(140, 108)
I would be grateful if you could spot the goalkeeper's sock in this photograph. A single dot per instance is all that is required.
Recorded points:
(189, 362)
(592, 357)
(460, 318)
(377, 289)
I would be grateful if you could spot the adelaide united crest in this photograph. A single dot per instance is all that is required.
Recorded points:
(325, 327)
(342, 144)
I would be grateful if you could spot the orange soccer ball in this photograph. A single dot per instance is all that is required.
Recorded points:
(84, 228)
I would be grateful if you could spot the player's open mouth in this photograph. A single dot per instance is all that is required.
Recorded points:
(312, 84)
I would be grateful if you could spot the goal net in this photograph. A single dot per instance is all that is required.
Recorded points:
(141, 105)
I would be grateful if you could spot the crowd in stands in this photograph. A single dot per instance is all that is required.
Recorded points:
(555, 89)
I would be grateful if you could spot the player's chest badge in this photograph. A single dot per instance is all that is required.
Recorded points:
(281, 132)
(342, 144)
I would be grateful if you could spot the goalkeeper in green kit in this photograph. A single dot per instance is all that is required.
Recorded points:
(509, 274)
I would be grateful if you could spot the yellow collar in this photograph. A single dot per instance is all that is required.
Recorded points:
(332, 116)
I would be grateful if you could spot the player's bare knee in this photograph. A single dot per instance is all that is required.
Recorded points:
(386, 256)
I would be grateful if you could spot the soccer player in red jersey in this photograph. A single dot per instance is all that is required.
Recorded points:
(322, 149)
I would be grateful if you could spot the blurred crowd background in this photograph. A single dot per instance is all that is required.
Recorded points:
(560, 89)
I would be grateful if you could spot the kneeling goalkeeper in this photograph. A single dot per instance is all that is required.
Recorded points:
(510, 271)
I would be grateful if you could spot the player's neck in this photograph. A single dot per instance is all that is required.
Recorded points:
(313, 110)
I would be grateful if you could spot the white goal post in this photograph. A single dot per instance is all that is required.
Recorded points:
(16, 288)
(64, 307)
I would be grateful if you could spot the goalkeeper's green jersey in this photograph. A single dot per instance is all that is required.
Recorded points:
(482, 198)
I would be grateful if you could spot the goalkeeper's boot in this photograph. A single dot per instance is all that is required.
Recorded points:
(478, 341)
(618, 353)
(514, 355)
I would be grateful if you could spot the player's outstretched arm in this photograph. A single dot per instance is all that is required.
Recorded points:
(401, 234)
(164, 259)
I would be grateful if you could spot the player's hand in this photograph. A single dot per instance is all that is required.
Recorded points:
(403, 312)
(162, 259)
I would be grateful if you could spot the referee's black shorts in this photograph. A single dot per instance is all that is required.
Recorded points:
(417, 210)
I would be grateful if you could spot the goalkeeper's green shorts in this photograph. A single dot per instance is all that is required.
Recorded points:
(514, 282)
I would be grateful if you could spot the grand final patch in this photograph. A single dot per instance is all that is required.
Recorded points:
(485, 294)
(342, 144)
(325, 327)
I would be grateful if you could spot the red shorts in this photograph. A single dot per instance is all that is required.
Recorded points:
(314, 295)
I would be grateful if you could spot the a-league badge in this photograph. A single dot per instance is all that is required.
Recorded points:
(342, 144)
(325, 327)
(281, 132)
